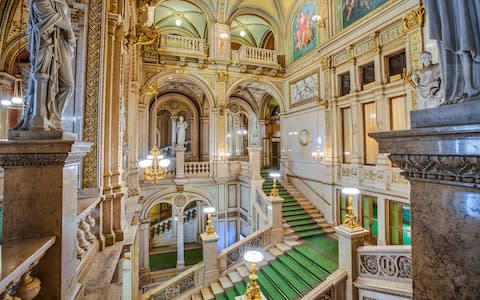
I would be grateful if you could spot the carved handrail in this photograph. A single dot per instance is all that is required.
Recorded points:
(332, 288)
(18, 259)
(391, 263)
(257, 55)
(175, 287)
(233, 254)
(182, 44)
(197, 169)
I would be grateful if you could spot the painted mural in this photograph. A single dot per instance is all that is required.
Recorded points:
(303, 29)
(353, 10)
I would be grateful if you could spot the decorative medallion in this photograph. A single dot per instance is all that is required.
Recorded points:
(180, 200)
(304, 137)
(234, 108)
(174, 104)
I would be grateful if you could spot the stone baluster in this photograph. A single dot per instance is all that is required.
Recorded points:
(28, 287)
(85, 227)
(82, 242)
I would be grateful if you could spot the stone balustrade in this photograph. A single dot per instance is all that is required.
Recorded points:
(260, 56)
(234, 254)
(197, 169)
(18, 258)
(178, 285)
(333, 287)
(385, 269)
(85, 235)
(174, 44)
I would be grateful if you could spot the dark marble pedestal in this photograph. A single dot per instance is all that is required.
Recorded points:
(443, 167)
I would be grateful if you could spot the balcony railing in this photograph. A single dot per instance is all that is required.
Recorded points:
(174, 44)
(197, 169)
(260, 56)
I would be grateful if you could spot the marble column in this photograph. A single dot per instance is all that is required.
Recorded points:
(442, 165)
(180, 244)
(33, 166)
(144, 242)
(174, 130)
(204, 138)
(107, 220)
(132, 130)
(348, 242)
(210, 255)
(180, 162)
(6, 83)
(254, 161)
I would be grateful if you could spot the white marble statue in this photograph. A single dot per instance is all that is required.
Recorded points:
(427, 83)
(51, 43)
(254, 130)
(455, 24)
(181, 127)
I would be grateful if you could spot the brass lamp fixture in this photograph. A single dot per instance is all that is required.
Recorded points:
(274, 192)
(351, 220)
(209, 229)
(155, 166)
(253, 289)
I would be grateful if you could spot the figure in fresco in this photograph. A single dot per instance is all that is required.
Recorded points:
(456, 27)
(51, 44)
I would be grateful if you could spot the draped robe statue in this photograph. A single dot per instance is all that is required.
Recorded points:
(51, 43)
(427, 83)
(181, 127)
(455, 24)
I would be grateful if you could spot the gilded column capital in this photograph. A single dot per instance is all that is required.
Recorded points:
(414, 18)
(326, 63)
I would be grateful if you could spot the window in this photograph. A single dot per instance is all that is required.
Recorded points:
(342, 205)
(347, 134)
(370, 125)
(399, 232)
(369, 217)
(396, 65)
(398, 113)
(368, 74)
(344, 84)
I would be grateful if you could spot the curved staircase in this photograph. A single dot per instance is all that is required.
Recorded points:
(305, 258)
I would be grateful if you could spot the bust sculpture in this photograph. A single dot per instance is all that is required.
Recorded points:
(51, 43)
(456, 27)
(181, 127)
(427, 82)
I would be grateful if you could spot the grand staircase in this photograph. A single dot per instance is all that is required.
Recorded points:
(307, 255)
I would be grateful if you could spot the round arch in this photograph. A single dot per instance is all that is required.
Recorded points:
(266, 85)
(204, 9)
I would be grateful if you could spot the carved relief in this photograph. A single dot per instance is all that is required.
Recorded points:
(414, 19)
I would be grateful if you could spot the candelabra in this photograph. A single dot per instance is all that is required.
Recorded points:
(274, 192)
(253, 289)
(350, 219)
(155, 166)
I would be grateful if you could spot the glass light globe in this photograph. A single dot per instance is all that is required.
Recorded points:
(145, 163)
(178, 22)
(350, 191)
(17, 100)
(253, 256)
(6, 102)
(164, 163)
(209, 210)
(274, 175)
(149, 156)
(242, 33)
(160, 157)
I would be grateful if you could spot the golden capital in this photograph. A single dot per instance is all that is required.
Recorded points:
(326, 63)
(414, 18)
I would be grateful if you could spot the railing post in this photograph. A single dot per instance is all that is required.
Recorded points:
(276, 219)
(210, 256)
(349, 239)
(180, 161)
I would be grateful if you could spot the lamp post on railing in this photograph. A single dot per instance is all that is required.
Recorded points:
(209, 229)
(351, 219)
(274, 192)
(253, 289)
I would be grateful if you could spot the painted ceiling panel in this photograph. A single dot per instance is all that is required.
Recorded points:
(192, 18)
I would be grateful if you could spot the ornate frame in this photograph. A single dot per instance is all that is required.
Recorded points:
(304, 101)
(308, 137)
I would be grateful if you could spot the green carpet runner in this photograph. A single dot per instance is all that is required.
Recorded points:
(295, 273)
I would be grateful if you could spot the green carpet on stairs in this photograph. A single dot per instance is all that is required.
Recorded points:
(319, 259)
(300, 271)
(168, 260)
(324, 245)
(294, 279)
(269, 290)
(222, 296)
(315, 269)
(231, 293)
(282, 284)
(240, 288)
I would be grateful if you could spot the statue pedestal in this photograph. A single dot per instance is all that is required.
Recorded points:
(40, 200)
(443, 167)
(210, 258)
(180, 162)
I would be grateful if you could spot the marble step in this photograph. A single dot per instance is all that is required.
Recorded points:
(292, 243)
(235, 277)
(207, 293)
(275, 251)
(283, 247)
(197, 297)
(288, 232)
(243, 271)
(267, 256)
(216, 288)
(225, 282)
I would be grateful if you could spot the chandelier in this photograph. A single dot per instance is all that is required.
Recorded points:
(155, 166)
